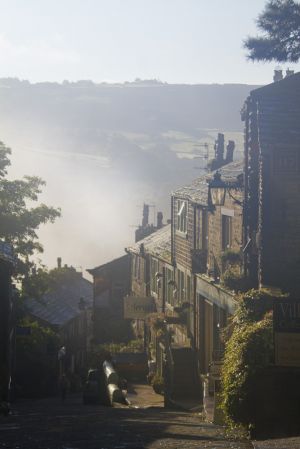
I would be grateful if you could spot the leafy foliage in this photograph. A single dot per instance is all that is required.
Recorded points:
(18, 220)
(158, 383)
(42, 281)
(104, 351)
(231, 257)
(234, 280)
(36, 356)
(280, 24)
(249, 351)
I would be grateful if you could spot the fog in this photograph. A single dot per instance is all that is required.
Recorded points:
(104, 151)
(99, 206)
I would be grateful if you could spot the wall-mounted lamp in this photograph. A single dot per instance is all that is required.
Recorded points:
(217, 190)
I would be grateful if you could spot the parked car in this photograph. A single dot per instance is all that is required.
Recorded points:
(95, 388)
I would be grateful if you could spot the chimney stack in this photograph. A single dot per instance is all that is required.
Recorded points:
(229, 151)
(59, 262)
(145, 215)
(159, 220)
(219, 148)
(278, 75)
(289, 73)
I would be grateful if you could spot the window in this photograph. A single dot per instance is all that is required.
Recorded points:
(188, 288)
(201, 229)
(136, 262)
(170, 286)
(180, 286)
(154, 278)
(181, 216)
(226, 232)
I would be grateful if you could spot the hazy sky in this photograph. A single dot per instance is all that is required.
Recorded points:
(178, 41)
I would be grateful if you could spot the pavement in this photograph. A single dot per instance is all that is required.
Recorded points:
(145, 424)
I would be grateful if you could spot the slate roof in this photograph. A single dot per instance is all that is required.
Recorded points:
(61, 305)
(287, 86)
(277, 106)
(197, 191)
(111, 263)
(157, 244)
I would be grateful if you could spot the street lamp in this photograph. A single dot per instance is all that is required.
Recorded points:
(217, 190)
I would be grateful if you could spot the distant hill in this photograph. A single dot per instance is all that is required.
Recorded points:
(117, 121)
(85, 110)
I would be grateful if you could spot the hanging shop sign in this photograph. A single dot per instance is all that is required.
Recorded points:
(138, 307)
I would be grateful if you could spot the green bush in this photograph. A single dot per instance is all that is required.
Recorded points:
(248, 361)
(233, 280)
(105, 351)
(231, 257)
(256, 394)
(248, 352)
(158, 383)
(36, 361)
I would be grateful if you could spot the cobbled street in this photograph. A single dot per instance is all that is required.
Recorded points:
(49, 424)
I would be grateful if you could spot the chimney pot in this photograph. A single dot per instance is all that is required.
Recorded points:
(278, 75)
(289, 73)
(159, 220)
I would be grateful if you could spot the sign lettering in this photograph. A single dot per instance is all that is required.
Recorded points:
(138, 307)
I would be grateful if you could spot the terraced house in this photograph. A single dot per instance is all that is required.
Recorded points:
(184, 267)
(206, 253)
(272, 166)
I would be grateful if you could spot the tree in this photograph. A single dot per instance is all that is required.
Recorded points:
(36, 360)
(280, 24)
(19, 221)
(43, 281)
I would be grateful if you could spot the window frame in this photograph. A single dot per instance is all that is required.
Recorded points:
(226, 232)
(181, 215)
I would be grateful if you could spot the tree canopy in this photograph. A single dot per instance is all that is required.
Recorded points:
(43, 281)
(19, 221)
(280, 25)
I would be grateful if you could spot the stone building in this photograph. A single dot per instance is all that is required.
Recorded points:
(272, 184)
(182, 267)
(206, 238)
(67, 309)
(111, 284)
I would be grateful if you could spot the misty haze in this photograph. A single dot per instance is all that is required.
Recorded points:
(150, 224)
(106, 149)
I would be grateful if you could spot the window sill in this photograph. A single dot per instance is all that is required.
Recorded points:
(181, 234)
